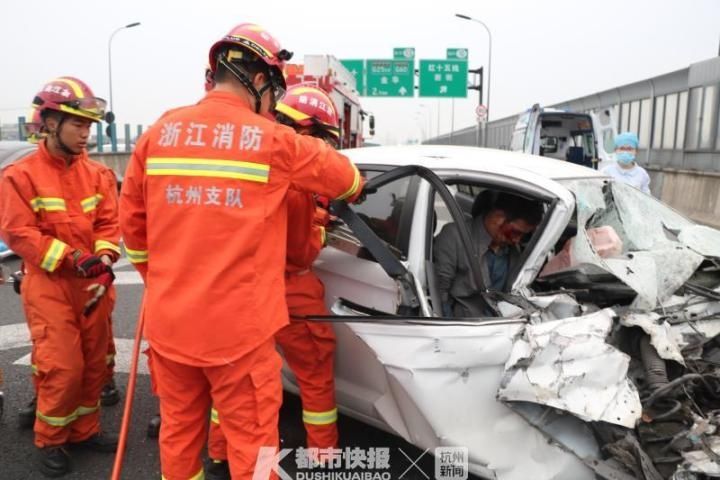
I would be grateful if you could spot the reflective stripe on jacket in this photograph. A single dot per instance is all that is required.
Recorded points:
(204, 204)
(49, 208)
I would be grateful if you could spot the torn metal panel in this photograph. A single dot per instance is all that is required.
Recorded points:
(693, 318)
(566, 364)
(444, 380)
(509, 310)
(703, 461)
(571, 434)
(556, 307)
(639, 272)
(675, 264)
(701, 239)
(662, 336)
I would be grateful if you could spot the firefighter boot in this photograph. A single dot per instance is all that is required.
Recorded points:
(153, 430)
(217, 470)
(109, 395)
(26, 415)
(100, 442)
(54, 461)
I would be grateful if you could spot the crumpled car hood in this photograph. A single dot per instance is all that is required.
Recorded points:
(567, 364)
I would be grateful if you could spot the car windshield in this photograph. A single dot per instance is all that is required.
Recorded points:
(641, 221)
(629, 234)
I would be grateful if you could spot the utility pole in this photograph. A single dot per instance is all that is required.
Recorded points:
(452, 120)
(479, 87)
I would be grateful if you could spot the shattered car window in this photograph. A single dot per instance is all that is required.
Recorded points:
(633, 238)
(642, 222)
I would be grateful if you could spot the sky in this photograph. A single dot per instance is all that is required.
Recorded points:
(543, 51)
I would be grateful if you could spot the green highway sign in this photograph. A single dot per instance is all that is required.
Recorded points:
(357, 68)
(391, 78)
(457, 54)
(443, 78)
(403, 53)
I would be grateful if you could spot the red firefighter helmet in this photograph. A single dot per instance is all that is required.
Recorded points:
(309, 106)
(249, 43)
(34, 130)
(72, 96)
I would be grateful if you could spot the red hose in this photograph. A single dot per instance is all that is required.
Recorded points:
(127, 412)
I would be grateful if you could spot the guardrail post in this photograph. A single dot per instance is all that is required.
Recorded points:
(21, 128)
(127, 137)
(99, 136)
(113, 137)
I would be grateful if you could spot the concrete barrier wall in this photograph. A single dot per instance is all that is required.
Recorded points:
(693, 193)
(117, 161)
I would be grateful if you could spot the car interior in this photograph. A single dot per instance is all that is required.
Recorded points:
(567, 138)
(473, 199)
(389, 213)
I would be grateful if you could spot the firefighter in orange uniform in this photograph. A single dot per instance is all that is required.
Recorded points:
(204, 219)
(308, 347)
(59, 213)
(109, 395)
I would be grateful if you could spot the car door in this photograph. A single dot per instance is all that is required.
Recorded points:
(431, 380)
(605, 131)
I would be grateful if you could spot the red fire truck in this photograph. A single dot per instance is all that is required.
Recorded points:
(326, 72)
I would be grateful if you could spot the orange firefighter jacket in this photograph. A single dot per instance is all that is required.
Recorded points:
(49, 209)
(204, 219)
(306, 231)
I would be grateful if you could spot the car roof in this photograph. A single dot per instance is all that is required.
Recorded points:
(11, 150)
(474, 159)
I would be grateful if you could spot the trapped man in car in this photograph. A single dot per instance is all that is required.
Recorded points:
(497, 228)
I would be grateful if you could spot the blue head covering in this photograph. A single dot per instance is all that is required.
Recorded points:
(627, 139)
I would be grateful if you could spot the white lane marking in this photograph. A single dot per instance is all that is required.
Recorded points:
(128, 278)
(15, 335)
(123, 262)
(131, 277)
(123, 357)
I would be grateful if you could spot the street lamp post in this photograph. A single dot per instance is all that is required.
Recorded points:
(489, 70)
(129, 25)
(429, 120)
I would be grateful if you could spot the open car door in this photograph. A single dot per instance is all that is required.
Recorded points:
(430, 380)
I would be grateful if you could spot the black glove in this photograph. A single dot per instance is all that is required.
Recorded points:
(88, 265)
(17, 280)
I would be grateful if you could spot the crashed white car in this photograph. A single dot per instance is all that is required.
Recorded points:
(596, 364)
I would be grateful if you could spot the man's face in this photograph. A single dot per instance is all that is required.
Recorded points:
(511, 232)
(74, 132)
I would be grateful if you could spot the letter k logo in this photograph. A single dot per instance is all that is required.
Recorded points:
(268, 461)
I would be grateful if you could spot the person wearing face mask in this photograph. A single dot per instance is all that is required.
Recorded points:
(497, 228)
(625, 170)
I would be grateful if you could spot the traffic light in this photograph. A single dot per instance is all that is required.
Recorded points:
(479, 86)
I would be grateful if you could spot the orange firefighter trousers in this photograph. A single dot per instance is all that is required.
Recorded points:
(308, 348)
(246, 393)
(69, 352)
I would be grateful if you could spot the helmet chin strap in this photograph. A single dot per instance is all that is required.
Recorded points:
(245, 80)
(58, 140)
